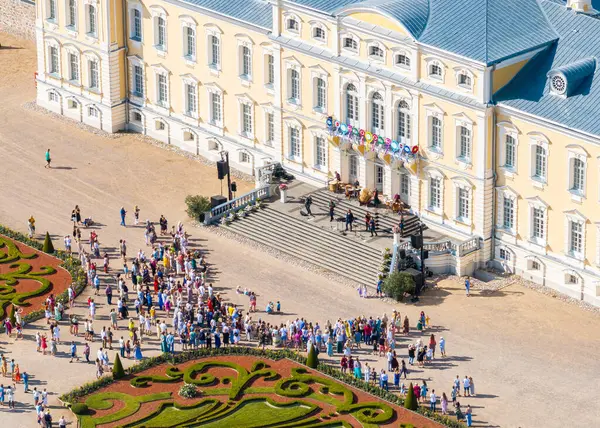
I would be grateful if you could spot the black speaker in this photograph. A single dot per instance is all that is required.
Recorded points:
(416, 241)
(234, 187)
(402, 254)
(217, 200)
(425, 254)
(222, 169)
(417, 277)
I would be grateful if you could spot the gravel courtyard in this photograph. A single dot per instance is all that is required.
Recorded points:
(533, 358)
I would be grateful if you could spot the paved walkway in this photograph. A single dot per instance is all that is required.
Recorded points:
(533, 358)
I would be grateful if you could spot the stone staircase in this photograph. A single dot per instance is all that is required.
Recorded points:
(348, 258)
(387, 221)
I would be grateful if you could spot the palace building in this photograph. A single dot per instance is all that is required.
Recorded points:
(483, 115)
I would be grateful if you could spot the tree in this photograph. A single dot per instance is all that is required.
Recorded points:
(313, 360)
(397, 284)
(118, 371)
(48, 247)
(410, 402)
(197, 206)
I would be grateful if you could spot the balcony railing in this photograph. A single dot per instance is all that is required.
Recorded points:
(213, 216)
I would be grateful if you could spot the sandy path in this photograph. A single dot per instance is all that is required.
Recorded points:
(532, 357)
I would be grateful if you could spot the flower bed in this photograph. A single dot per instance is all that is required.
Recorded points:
(29, 275)
(232, 377)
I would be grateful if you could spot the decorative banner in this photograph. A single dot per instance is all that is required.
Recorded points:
(366, 138)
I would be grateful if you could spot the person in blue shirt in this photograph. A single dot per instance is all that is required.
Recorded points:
(468, 285)
(73, 351)
(123, 212)
(349, 220)
(25, 377)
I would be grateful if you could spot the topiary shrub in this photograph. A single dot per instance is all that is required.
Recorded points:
(398, 284)
(197, 206)
(410, 402)
(117, 370)
(313, 360)
(48, 247)
(79, 409)
(188, 390)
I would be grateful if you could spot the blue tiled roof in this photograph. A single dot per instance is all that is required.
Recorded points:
(256, 12)
(575, 73)
(529, 90)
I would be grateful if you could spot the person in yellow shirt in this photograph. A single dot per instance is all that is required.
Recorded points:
(31, 226)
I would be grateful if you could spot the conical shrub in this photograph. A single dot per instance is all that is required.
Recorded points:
(118, 371)
(313, 360)
(48, 247)
(410, 402)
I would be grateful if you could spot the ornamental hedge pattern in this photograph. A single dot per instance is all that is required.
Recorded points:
(225, 399)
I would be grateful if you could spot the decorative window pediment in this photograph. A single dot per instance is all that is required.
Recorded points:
(537, 202)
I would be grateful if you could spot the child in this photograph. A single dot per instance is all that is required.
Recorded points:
(278, 306)
(105, 262)
(427, 321)
(397, 378)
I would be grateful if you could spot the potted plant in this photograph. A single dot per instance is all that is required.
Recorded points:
(197, 206)
(283, 189)
(247, 210)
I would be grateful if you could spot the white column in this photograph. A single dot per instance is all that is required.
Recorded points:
(388, 176)
(335, 161)
(363, 166)
(335, 33)
(276, 21)
(277, 115)
(416, 124)
(415, 193)
(484, 192)
(362, 103)
(389, 111)
(337, 94)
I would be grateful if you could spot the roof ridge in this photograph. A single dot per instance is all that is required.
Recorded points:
(487, 13)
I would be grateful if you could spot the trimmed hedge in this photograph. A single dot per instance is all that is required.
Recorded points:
(48, 246)
(331, 371)
(410, 402)
(70, 264)
(117, 370)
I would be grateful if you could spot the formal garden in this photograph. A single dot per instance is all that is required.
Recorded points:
(234, 387)
(28, 275)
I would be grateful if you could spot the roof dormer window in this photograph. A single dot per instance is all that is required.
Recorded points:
(376, 52)
(350, 43)
(573, 78)
(558, 84)
(292, 25)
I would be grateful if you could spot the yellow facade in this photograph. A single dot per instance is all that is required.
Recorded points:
(157, 76)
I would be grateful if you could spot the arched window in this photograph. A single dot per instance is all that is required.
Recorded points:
(351, 103)
(292, 24)
(376, 52)
(403, 121)
(435, 70)
(377, 113)
(319, 33)
(464, 80)
(350, 43)
(403, 61)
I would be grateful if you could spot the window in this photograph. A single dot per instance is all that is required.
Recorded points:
(294, 85)
(353, 167)
(161, 37)
(246, 62)
(92, 112)
(558, 84)
(215, 107)
(578, 175)
(504, 255)
(464, 80)
(52, 97)
(162, 89)
(72, 21)
(72, 104)
(535, 265)
(572, 279)
(74, 67)
(160, 125)
(321, 95)
(435, 70)
(464, 151)
(52, 10)
(403, 121)
(294, 143)
(215, 51)
(539, 171)
(463, 203)
(377, 113)
(292, 25)
(54, 60)
(435, 193)
(270, 69)
(508, 213)
(576, 238)
(244, 157)
(137, 117)
(350, 43)
(403, 60)
(94, 75)
(320, 152)
(319, 34)
(270, 128)
(351, 103)
(190, 99)
(436, 133)
(92, 20)
(190, 45)
(246, 119)
(510, 152)
(138, 81)
(376, 52)
(405, 184)
(136, 25)
(538, 231)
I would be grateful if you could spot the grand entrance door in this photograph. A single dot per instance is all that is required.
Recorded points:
(404, 187)
(379, 178)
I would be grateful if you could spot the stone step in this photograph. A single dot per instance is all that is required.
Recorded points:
(321, 200)
(326, 250)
